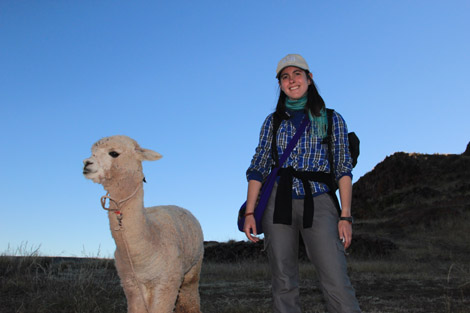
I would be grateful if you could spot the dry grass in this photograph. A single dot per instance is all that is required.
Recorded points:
(396, 285)
(38, 284)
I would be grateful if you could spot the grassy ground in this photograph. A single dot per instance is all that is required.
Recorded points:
(399, 284)
(430, 272)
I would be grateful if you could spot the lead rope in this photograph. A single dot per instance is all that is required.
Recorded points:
(119, 218)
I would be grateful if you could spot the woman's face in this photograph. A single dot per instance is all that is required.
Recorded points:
(294, 82)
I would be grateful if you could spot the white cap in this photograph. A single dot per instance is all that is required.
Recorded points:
(291, 60)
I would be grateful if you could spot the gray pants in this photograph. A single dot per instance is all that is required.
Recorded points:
(324, 250)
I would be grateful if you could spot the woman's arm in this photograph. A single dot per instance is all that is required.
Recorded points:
(249, 228)
(345, 195)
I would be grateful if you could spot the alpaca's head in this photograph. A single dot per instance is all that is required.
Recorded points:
(116, 158)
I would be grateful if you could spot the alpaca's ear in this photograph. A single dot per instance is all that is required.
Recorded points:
(148, 155)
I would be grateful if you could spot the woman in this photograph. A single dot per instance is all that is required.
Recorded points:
(326, 235)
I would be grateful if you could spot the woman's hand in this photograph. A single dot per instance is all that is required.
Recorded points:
(250, 228)
(345, 233)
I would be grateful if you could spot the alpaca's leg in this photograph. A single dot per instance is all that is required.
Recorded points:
(188, 298)
(135, 303)
(162, 298)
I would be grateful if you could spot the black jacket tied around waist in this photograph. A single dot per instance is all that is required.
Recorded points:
(283, 204)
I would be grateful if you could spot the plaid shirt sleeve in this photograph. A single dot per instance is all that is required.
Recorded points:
(261, 163)
(342, 157)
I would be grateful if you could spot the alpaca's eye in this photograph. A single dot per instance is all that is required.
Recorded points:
(114, 154)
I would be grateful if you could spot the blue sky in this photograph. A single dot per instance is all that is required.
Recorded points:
(194, 80)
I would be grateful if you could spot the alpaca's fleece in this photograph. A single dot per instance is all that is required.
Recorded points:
(159, 250)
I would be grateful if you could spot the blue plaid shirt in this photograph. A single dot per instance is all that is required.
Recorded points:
(308, 155)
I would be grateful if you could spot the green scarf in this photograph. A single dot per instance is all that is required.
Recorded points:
(319, 123)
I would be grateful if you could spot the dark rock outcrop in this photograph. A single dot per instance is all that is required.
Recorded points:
(467, 151)
(404, 182)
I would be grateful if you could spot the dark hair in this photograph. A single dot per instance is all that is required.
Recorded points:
(314, 101)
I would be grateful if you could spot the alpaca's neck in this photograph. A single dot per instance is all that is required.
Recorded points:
(133, 232)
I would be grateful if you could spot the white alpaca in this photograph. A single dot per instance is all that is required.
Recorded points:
(159, 250)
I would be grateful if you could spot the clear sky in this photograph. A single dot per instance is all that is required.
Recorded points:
(194, 80)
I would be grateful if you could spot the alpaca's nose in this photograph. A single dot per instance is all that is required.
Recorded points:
(85, 165)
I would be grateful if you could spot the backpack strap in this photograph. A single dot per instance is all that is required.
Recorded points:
(329, 140)
(277, 120)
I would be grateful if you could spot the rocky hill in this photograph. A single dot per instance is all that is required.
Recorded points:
(408, 189)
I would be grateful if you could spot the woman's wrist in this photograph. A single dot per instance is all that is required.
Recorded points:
(345, 212)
